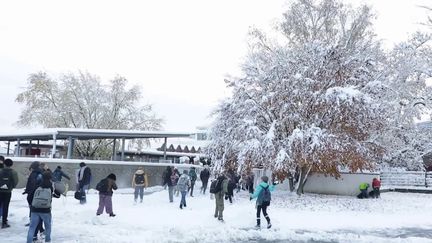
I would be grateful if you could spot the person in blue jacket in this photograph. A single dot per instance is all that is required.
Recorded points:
(263, 196)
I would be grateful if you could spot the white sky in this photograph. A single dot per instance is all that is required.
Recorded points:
(179, 51)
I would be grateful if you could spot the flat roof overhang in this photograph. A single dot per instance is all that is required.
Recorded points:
(87, 134)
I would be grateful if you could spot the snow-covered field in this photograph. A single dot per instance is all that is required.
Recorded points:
(396, 217)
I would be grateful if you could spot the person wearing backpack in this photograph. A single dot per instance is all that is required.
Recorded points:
(219, 187)
(105, 188)
(84, 178)
(183, 184)
(193, 177)
(139, 182)
(204, 177)
(41, 209)
(8, 181)
(263, 196)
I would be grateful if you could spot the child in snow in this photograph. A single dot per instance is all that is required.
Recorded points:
(139, 182)
(105, 188)
(363, 190)
(183, 185)
(376, 185)
(263, 196)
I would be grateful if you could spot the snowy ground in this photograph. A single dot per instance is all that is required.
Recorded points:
(396, 217)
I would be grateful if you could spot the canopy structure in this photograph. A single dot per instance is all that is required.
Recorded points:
(73, 134)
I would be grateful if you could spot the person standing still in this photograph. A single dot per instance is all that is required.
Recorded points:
(192, 177)
(8, 181)
(204, 176)
(84, 178)
(139, 182)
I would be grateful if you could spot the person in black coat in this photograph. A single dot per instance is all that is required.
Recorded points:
(204, 177)
(33, 182)
(84, 178)
(58, 174)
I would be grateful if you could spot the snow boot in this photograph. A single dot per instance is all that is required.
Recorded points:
(112, 215)
(269, 225)
(5, 225)
(181, 206)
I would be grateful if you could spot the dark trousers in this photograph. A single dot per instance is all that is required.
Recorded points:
(192, 188)
(204, 186)
(264, 210)
(5, 198)
(363, 193)
(376, 191)
(105, 201)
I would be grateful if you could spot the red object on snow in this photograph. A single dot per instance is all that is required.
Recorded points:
(376, 183)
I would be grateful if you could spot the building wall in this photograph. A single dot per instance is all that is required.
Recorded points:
(347, 184)
(100, 169)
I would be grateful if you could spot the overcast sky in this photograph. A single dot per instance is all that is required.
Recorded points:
(179, 51)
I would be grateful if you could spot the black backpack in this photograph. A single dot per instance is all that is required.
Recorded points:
(139, 179)
(102, 186)
(216, 186)
(6, 180)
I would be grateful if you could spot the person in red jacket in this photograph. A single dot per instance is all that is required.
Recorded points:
(376, 184)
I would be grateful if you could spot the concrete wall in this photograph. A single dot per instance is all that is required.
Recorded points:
(100, 169)
(347, 184)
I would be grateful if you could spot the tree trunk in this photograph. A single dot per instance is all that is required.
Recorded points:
(304, 173)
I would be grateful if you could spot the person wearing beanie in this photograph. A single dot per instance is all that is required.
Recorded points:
(183, 185)
(105, 188)
(263, 196)
(83, 181)
(8, 181)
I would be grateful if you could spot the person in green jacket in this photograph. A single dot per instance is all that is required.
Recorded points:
(219, 196)
(263, 195)
(8, 181)
(363, 190)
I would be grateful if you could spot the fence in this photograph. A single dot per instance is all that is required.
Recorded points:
(406, 179)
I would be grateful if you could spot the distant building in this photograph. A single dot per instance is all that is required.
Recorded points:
(40, 150)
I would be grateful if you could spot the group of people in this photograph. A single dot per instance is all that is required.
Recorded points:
(374, 193)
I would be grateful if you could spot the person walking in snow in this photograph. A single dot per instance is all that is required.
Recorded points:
(41, 208)
(170, 180)
(376, 185)
(105, 188)
(219, 188)
(83, 178)
(176, 175)
(8, 181)
(183, 184)
(263, 196)
(204, 177)
(33, 182)
(192, 176)
(139, 182)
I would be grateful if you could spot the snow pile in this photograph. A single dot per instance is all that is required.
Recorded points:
(395, 217)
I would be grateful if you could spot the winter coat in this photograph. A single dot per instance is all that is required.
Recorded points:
(12, 176)
(58, 174)
(34, 181)
(84, 176)
(192, 174)
(205, 175)
(111, 185)
(184, 183)
(376, 183)
(260, 188)
(138, 173)
(364, 186)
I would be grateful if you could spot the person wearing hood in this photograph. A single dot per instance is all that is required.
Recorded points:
(105, 188)
(183, 185)
(83, 178)
(263, 195)
(33, 182)
(139, 182)
(376, 185)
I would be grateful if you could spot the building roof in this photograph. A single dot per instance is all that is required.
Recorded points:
(161, 153)
(86, 134)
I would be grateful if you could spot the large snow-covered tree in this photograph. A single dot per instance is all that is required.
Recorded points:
(82, 101)
(304, 102)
